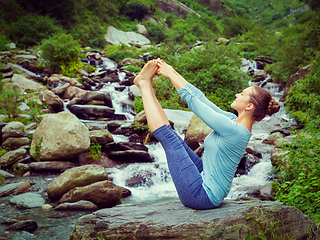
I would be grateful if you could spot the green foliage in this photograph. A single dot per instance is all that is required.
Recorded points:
(235, 26)
(313, 4)
(134, 69)
(136, 10)
(299, 184)
(35, 110)
(157, 32)
(2, 179)
(30, 29)
(3, 41)
(213, 69)
(61, 52)
(9, 102)
(122, 54)
(3, 150)
(303, 100)
(94, 153)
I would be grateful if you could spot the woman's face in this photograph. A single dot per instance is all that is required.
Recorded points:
(242, 100)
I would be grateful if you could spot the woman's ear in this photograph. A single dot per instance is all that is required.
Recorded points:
(250, 107)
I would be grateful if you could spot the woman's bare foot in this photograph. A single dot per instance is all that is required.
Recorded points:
(146, 74)
(165, 69)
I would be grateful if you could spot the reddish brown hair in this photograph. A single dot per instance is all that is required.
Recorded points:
(263, 103)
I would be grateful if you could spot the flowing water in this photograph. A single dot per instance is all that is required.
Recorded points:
(158, 185)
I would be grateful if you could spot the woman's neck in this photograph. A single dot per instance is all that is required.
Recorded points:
(245, 120)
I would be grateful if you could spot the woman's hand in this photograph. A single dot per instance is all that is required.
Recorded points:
(167, 71)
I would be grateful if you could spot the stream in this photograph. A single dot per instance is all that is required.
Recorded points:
(158, 187)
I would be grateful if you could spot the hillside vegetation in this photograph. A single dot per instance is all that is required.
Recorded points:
(287, 32)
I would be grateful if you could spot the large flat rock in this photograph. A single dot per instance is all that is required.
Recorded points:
(171, 219)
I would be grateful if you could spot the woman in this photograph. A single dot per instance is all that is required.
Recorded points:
(203, 183)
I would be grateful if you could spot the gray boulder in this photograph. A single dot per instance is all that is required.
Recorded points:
(16, 142)
(92, 110)
(196, 132)
(171, 220)
(116, 37)
(60, 136)
(175, 7)
(76, 177)
(51, 99)
(13, 156)
(100, 136)
(23, 83)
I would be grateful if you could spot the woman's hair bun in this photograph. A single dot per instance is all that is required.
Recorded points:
(273, 107)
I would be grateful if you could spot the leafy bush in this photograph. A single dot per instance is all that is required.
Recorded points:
(122, 54)
(298, 184)
(94, 153)
(3, 41)
(9, 102)
(235, 26)
(213, 69)
(136, 10)
(303, 100)
(157, 32)
(134, 69)
(61, 52)
(29, 30)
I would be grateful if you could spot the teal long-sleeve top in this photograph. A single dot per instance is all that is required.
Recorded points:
(223, 147)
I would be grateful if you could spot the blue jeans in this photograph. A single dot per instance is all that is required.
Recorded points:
(185, 167)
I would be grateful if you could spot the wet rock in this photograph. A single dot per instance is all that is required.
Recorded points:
(100, 136)
(72, 92)
(72, 81)
(130, 156)
(25, 225)
(50, 166)
(52, 100)
(92, 110)
(81, 205)
(140, 178)
(104, 194)
(196, 132)
(171, 220)
(61, 136)
(6, 174)
(113, 126)
(266, 193)
(90, 96)
(61, 89)
(28, 200)
(123, 146)
(125, 192)
(272, 138)
(75, 177)
(16, 142)
(14, 188)
(13, 156)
